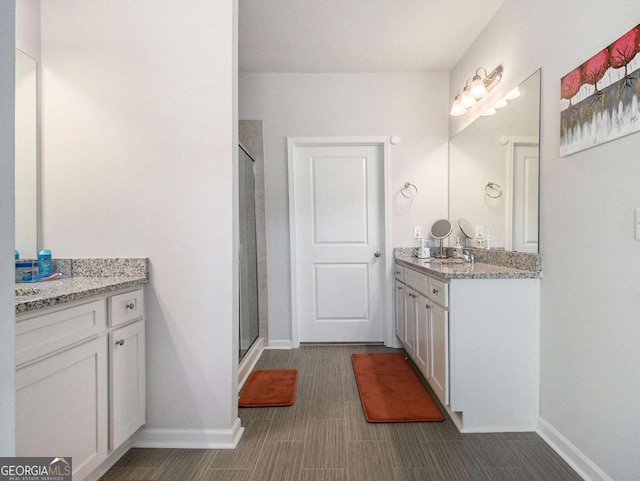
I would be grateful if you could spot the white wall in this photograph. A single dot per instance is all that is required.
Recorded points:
(412, 106)
(7, 298)
(140, 159)
(590, 382)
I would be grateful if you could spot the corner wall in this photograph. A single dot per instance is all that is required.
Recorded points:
(140, 159)
(589, 377)
(412, 106)
(7, 232)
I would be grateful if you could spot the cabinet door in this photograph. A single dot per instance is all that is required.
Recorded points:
(410, 297)
(439, 347)
(422, 334)
(127, 382)
(61, 407)
(400, 311)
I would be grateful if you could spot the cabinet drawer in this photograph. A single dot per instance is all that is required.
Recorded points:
(39, 336)
(417, 281)
(126, 307)
(400, 273)
(439, 292)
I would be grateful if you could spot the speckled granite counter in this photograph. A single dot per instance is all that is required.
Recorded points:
(83, 278)
(478, 270)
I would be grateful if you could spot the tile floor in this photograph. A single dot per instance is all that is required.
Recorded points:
(324, 437)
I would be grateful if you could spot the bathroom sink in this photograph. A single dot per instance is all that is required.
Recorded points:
(28, 291)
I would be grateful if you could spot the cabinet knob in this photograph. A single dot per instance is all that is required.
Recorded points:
(435, 291)
(427, 306)
(399, 288)
(131, 306)
(120, 342)
(377, 254)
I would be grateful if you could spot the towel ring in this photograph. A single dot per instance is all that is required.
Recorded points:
(408, 185)
(492, 186)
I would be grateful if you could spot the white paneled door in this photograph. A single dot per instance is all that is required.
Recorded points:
(525, 198)
(336, 214)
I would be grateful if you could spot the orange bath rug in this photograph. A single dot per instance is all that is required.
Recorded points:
(390, 391)
(271, 387)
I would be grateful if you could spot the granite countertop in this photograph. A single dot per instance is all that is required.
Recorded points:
(52, 293)
(83, 278)
(478, 270)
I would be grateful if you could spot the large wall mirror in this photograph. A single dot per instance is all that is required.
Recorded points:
(26, 157)
(494, 172)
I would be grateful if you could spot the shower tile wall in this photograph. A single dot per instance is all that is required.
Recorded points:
(250, 135)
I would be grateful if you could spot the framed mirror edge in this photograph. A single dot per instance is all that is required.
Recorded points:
(536, 76)
(28, 179)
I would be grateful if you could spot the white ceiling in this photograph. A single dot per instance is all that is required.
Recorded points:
(358, 35)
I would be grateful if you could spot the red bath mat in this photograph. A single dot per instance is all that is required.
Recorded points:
(271, 387)
(390, 391)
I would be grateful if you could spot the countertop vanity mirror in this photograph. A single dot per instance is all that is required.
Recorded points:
(494, 172)
(26, 156)
(440, 230)
(467, 230)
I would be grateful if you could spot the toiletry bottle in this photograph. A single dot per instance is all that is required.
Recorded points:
(457, 249)
(44, 262)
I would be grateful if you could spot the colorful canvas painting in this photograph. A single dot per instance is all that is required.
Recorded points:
(599, 99)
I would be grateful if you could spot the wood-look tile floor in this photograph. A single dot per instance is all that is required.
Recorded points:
(324, 437)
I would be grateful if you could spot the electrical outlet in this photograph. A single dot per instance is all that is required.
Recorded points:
(417, 232)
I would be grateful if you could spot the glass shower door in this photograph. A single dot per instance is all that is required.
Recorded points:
(248, 254)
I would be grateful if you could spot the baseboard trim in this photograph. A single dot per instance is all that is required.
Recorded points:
(586, 468)
(279, 344)
(189, 438)
(395, 343)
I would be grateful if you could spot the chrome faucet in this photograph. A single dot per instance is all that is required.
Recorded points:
(467, 256)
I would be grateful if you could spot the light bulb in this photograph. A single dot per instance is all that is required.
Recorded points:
(489, 112)
(478, 90)
(457, 108)
(467, 99)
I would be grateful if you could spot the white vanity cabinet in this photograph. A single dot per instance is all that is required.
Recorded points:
(400, 317)
(80, 385)
(476, 344)
(127, 404)
(61, 384)
(126, 382)
(426, 316)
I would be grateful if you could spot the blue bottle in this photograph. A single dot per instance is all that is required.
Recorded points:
(44, 262)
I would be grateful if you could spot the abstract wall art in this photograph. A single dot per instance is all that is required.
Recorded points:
(599, 99)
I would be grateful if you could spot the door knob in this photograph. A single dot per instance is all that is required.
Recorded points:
(377, 254)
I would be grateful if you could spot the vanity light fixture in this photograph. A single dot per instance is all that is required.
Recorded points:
(468, 99)
(478, 88)
(457, 108)
(475, 88)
